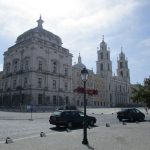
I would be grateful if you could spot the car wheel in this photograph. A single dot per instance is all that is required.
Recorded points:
(120, 119)
(131, 119)
(142, 119)
(69, 125)
(57, 126)
(92, 123)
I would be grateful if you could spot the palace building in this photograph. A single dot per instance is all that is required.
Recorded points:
(38, 71)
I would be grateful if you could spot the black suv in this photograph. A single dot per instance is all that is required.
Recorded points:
(131, 114)
(69, 118)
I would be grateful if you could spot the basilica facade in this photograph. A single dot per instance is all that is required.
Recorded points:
(112, 90)
(38, 71)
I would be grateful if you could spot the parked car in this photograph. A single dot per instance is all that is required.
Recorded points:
(131, 114)
(69, 118)
(67, 107)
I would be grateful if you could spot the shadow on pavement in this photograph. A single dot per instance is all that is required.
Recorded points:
(90, 147)
(129, 121)
(62, 129)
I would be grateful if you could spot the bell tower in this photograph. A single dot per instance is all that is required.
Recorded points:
(123, 70)
(103, 64)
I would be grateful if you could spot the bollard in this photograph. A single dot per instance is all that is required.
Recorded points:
(124, 123)
(107, 125)
(8, 140)
(42, 134)
(68, 130)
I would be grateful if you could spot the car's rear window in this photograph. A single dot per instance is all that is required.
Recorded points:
(57, 112)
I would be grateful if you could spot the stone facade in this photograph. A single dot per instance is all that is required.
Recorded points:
(112, 90)
(37, 70)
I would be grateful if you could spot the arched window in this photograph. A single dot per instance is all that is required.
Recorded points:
(101, 67)
(121, 64)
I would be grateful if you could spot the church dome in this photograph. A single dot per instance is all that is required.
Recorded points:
(39, 32)
(79, 64)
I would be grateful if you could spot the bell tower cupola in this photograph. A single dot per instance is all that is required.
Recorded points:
(123, 70)
(104, 64)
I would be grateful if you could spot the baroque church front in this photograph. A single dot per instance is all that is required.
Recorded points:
(112, 90)
(38, 70)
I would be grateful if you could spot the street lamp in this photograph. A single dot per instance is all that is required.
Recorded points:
(84, 77)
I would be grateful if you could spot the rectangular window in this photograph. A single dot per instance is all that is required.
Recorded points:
(101, 67)
(101, 55)
(14, 84)
(54, 100)
(66, 71)
(6, 85)
(67, 100)
(40, 65)
(39, 82)
(54, 84)
(66, 86)
(15, 66)
(26, 65)
(25, 82)
(120, 88)
(54, 67)
(40, 97)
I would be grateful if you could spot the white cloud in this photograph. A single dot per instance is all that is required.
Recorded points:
(80, 24)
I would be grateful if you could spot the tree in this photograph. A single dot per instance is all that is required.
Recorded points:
(142, 93)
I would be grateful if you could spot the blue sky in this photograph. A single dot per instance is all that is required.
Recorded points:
(81, 24)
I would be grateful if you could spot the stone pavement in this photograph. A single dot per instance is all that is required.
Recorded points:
(132, 136)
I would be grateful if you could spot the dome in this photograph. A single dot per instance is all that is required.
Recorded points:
(40, 33)
(79, 64)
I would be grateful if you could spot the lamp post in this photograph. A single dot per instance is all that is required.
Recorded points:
(84, 77)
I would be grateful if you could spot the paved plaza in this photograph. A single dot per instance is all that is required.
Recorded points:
(117, 137)
(26, 132)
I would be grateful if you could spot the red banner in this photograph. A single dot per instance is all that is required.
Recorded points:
(88, 91)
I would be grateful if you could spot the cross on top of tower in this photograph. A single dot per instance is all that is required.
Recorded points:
(40, 22)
